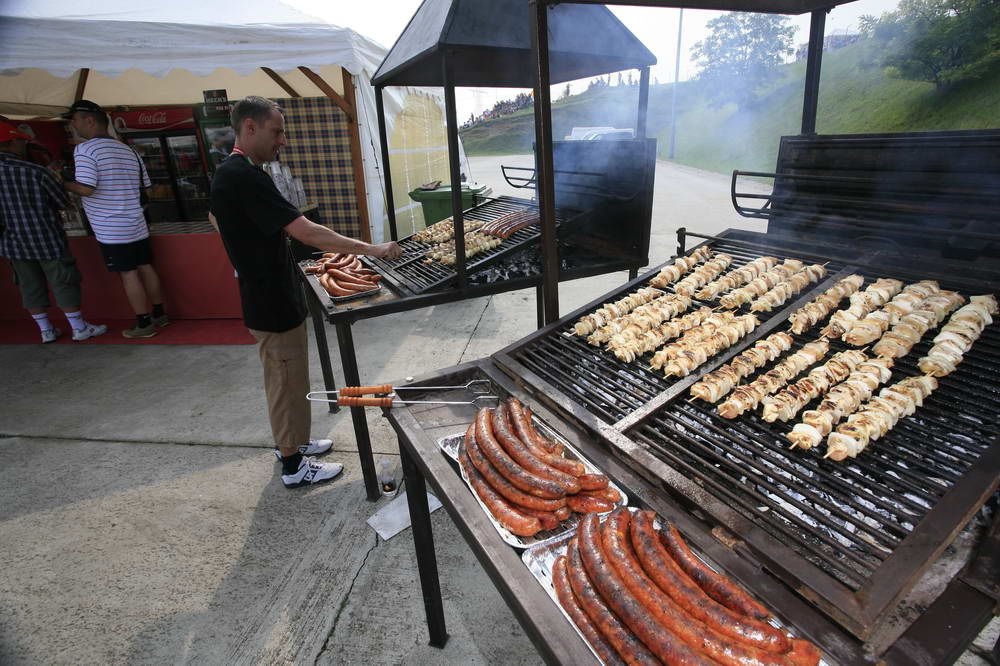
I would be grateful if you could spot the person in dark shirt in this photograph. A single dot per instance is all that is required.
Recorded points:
(254, 221)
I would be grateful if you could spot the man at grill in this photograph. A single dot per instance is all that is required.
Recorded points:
(32, 238)
(255, 222)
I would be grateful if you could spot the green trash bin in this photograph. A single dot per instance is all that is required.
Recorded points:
(437, 202)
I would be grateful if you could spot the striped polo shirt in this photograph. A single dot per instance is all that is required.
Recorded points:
(113, 170)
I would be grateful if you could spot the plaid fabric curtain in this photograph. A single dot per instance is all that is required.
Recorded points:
(319, 153)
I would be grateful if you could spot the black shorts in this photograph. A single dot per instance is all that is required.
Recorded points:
(120, 258)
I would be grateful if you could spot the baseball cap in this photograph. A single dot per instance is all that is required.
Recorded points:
(9, 132)
(83, 105)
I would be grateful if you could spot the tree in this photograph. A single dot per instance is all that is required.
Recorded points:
(742, 54)
(940, 41)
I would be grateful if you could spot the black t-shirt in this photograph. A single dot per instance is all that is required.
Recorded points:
(252, 215)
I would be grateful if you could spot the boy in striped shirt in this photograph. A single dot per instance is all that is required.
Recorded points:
(108, 175)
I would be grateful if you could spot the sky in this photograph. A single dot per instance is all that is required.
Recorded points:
(384, 20)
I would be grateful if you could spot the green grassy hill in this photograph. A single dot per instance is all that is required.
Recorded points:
(855, 96)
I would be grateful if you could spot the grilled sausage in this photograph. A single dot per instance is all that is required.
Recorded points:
(665, 572)
(662, 610)
(540, 450)
(504, 487)
(515, 521)
(517, 475)
(588, 504)
(624, 641)
(593, 481)
(661, 640)
(715, 585)
(520, 453)
(332, 287)
(564, 592)
(562, 513)
(609, 494)
(538, 438)
(546, 518)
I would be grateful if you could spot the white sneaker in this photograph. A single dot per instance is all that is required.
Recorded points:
(50, 335)
(315, 447)
(90, 331)
(311, 472)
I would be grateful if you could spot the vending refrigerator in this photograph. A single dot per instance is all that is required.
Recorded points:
(167, 140)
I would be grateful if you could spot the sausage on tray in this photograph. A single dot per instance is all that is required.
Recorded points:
(517, 475)
(618, 635)
(609, 494)
(515, 521)
(657, 608)
(564, 592)
(715, 585)
(502, 485)
(593, 481)
(548, 519)
(538, 438)
(589, 504)
(661, 640)
(539, 446)
(520, 453)
(665, 572)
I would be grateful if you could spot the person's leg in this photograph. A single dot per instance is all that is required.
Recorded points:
(64, 278)
(135, 292)
(151, 282)
(30, 280)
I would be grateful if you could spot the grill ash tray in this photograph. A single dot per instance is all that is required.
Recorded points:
(449, 445)
(541, 558)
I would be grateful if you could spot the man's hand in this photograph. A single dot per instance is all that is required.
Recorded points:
(390, 250)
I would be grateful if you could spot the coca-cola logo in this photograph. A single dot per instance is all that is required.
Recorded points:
(152, 118)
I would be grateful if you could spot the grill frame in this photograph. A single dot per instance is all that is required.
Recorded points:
(858, 609)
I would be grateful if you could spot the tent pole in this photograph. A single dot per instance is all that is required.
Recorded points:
(390, 205)
(451, 121)
(640, 122)
(357, 158)
(280, 81)
(543, 161)
(81, 83)
(814, 59)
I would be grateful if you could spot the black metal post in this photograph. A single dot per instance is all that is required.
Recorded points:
(539, 306)
(423, 543)
(681, 241)
(349, 361)
(319, 332)
(451, 119)
(814, 59)
(640, 121)
(545, 193)
(390, 205)
(633, 273)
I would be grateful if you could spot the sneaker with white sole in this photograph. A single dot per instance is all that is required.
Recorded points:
(90, 331)
(315, 447)
(161, 321)
(311, 472)
(50, 335)
(140, 331)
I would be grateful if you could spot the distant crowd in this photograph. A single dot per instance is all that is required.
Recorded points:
(502, 108)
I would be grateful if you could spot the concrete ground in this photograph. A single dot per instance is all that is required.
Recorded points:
(142, 520)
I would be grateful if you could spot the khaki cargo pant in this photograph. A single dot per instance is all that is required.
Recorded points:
(285, 357)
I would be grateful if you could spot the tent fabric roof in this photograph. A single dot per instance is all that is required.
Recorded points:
(488, 43)
(761, 6)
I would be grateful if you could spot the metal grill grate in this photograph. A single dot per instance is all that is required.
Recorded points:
(413, 272)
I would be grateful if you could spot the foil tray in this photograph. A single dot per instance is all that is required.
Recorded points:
(541, 558)
(449, 445)
(360, 294)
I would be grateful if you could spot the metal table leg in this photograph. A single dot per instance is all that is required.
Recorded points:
(349, 361)
(423, 542)
(633, 273)
(319, 331)
(539, 305)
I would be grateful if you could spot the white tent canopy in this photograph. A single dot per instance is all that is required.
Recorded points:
(152, 58)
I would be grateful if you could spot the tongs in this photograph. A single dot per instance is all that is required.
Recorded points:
(386, 395)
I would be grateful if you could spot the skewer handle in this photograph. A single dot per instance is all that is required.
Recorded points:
(351, 401)
(365, 390)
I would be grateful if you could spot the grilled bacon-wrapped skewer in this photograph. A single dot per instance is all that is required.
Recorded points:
(672, 273)
(787, 403)
(736, 278)
(782, 291)
(761, 284)
(819, 308)
(864, 302)
(957, 336)
(843, 399)
(878, 416)
(718, 383)
(605, 314)
(748, 396)
(643, 318)
(632, 343)
(702, 275)
(682, 357)
(911, 327)
(871, 328)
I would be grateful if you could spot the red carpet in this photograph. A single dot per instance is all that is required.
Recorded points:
(179, 332)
